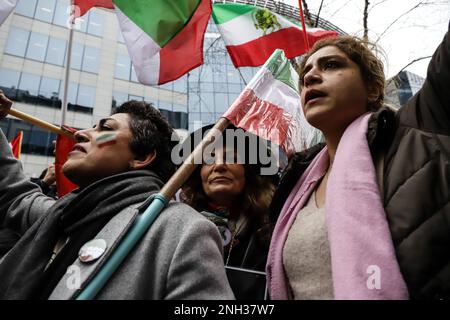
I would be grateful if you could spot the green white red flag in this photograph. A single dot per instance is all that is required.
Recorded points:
(164, 38)
(252, 33)
(270, 106)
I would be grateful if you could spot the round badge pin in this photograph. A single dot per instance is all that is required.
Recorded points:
(92, 250)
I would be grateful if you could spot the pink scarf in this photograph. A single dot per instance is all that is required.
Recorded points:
(363, 261)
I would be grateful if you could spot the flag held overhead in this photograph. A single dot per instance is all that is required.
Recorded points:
(164, 38)
(251, 33)
(270, 106)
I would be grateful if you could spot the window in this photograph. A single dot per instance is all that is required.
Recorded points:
(133, 74)
(194, 103)
(220, 87)
(194, 116)
(26, 8)
(164, 105)
(37, 46)
(95, 24)
(179, 108)
(207, 102)
(77, 56)
(9, 78)
(17, 42)
(232, 97)
(247, 73)
(56, 51)
(86, 96)
(35, 140)
(119, 98)
(167, 86)
(61, 12)
(138, 98)
(123, 64)
(72, 94)
(180, 85)
(81, 98)
(234, 88)
(233, 75)
(206, 87)
(91, 59)
(45, 10)
(83, 22)
(30, 83)
(221, 102)
(49, 88)
(38, 141)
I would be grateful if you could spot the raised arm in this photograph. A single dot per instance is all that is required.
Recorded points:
(21, 202)
(429, 109)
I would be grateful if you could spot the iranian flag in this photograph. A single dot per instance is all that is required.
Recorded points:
(252, 33)
(164, 37)
(270, 106)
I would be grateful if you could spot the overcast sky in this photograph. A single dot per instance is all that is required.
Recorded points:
(416, 34)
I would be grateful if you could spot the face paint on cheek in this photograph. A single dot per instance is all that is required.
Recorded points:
(106, 139)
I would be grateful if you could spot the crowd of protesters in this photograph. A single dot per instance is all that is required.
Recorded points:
(364, 215)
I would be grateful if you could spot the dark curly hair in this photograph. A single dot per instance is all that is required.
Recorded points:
(151, 132)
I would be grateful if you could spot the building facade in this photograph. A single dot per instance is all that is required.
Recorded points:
(33, 56)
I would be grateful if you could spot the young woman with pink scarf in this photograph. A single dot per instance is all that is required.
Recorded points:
(366, 215)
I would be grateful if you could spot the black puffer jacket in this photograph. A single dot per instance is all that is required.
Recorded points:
(416, 144)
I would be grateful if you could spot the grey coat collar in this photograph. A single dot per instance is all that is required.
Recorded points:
(79, 274)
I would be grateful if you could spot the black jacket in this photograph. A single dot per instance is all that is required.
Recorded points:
(416, 144)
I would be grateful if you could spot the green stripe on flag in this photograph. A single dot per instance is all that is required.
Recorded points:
(282, 69)
(160, 19)
(222, 13)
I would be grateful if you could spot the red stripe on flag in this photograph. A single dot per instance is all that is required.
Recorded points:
(63, 146)
(260, 117)
(16, 145)
(185, 51)
(86, 5)
(255, 53)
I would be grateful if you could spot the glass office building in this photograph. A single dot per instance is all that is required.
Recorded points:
(33, 56)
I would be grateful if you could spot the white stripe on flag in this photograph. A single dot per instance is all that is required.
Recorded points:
(143, 50)
(269, 89)
(241, 29)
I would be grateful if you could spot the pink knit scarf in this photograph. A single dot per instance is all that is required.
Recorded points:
(363, 261)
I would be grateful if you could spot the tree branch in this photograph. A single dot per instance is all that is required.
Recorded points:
(398, 18)
(318, 14)
(365, 18)
(307, 13)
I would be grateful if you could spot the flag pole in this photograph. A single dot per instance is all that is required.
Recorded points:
(302, 20)
(70, 25)
(144, 221)
(38, 122)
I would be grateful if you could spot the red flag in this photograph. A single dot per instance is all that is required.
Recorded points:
(16, 145)
(63, 146)
(86, 5)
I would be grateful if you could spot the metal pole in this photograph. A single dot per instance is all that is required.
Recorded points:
(66, 79)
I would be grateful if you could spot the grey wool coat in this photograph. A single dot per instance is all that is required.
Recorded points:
(180, 256)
